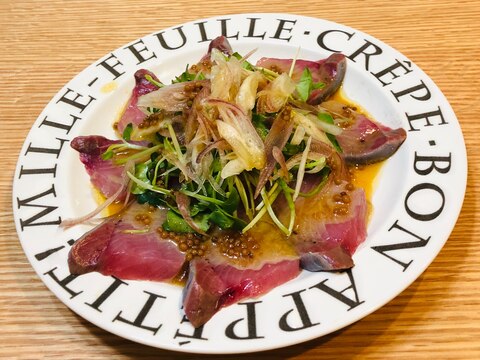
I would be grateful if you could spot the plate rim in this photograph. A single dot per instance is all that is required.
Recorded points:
(111, 329)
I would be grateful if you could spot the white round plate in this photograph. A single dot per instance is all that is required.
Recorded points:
(418, 196)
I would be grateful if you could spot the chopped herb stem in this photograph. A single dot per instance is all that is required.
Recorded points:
(138, 156)
(155, 173)
(148, 186)
(153, 81)
(202, 197)
(267, 72)
(243, 197)
(167, 172)
(216, 186)
(291, 205)
(175, 143)
(250, 193)
(116, 148)
(131, 146)
(301, 169)
(260, 213)
(274, 217)
(270, 192)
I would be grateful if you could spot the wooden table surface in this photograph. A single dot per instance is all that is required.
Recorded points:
(45, 43)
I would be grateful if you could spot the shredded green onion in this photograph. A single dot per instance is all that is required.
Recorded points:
(301, 169)
(148, 186)
(155, 173)
(291, 205)
(175, 143)
(270, 192)
(171, 163)
(268, 205)
(137, 156)
(243, 197)
(261, 213)
(202, 197)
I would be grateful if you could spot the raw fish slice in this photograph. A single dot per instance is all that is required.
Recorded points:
(126, 247)
(211, 287)
(325, 240)
(217, 280)
(170, 98)
(204, 65)
(329, 71)
(367, 142)
(330, 225)
(362, 140)
(132, 113)
(104, 174)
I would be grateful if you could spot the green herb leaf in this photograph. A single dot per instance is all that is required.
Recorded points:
(177, 223)
(151, 198)
(127, 132)
(306, 85)
(202, 221)
(216, 165)
(188, 76)
(141, 173)
(290, 150)
(226, 221)
(291, 205)
(231, 204)
(197, 208)
(221, 219)
(258, 121)
(326, 117)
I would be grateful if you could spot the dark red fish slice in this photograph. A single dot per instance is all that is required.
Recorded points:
(132, 113)
(217, 280)
(327, 243)
(220, 43)
(362, 140)
(329, 71)
(366, 142)
(104, 174)
(329, 226)
(211, 287)
(127, 248)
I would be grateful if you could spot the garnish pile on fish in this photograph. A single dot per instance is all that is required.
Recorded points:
(234, 177)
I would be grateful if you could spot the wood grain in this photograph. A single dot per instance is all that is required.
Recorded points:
(45, 44)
